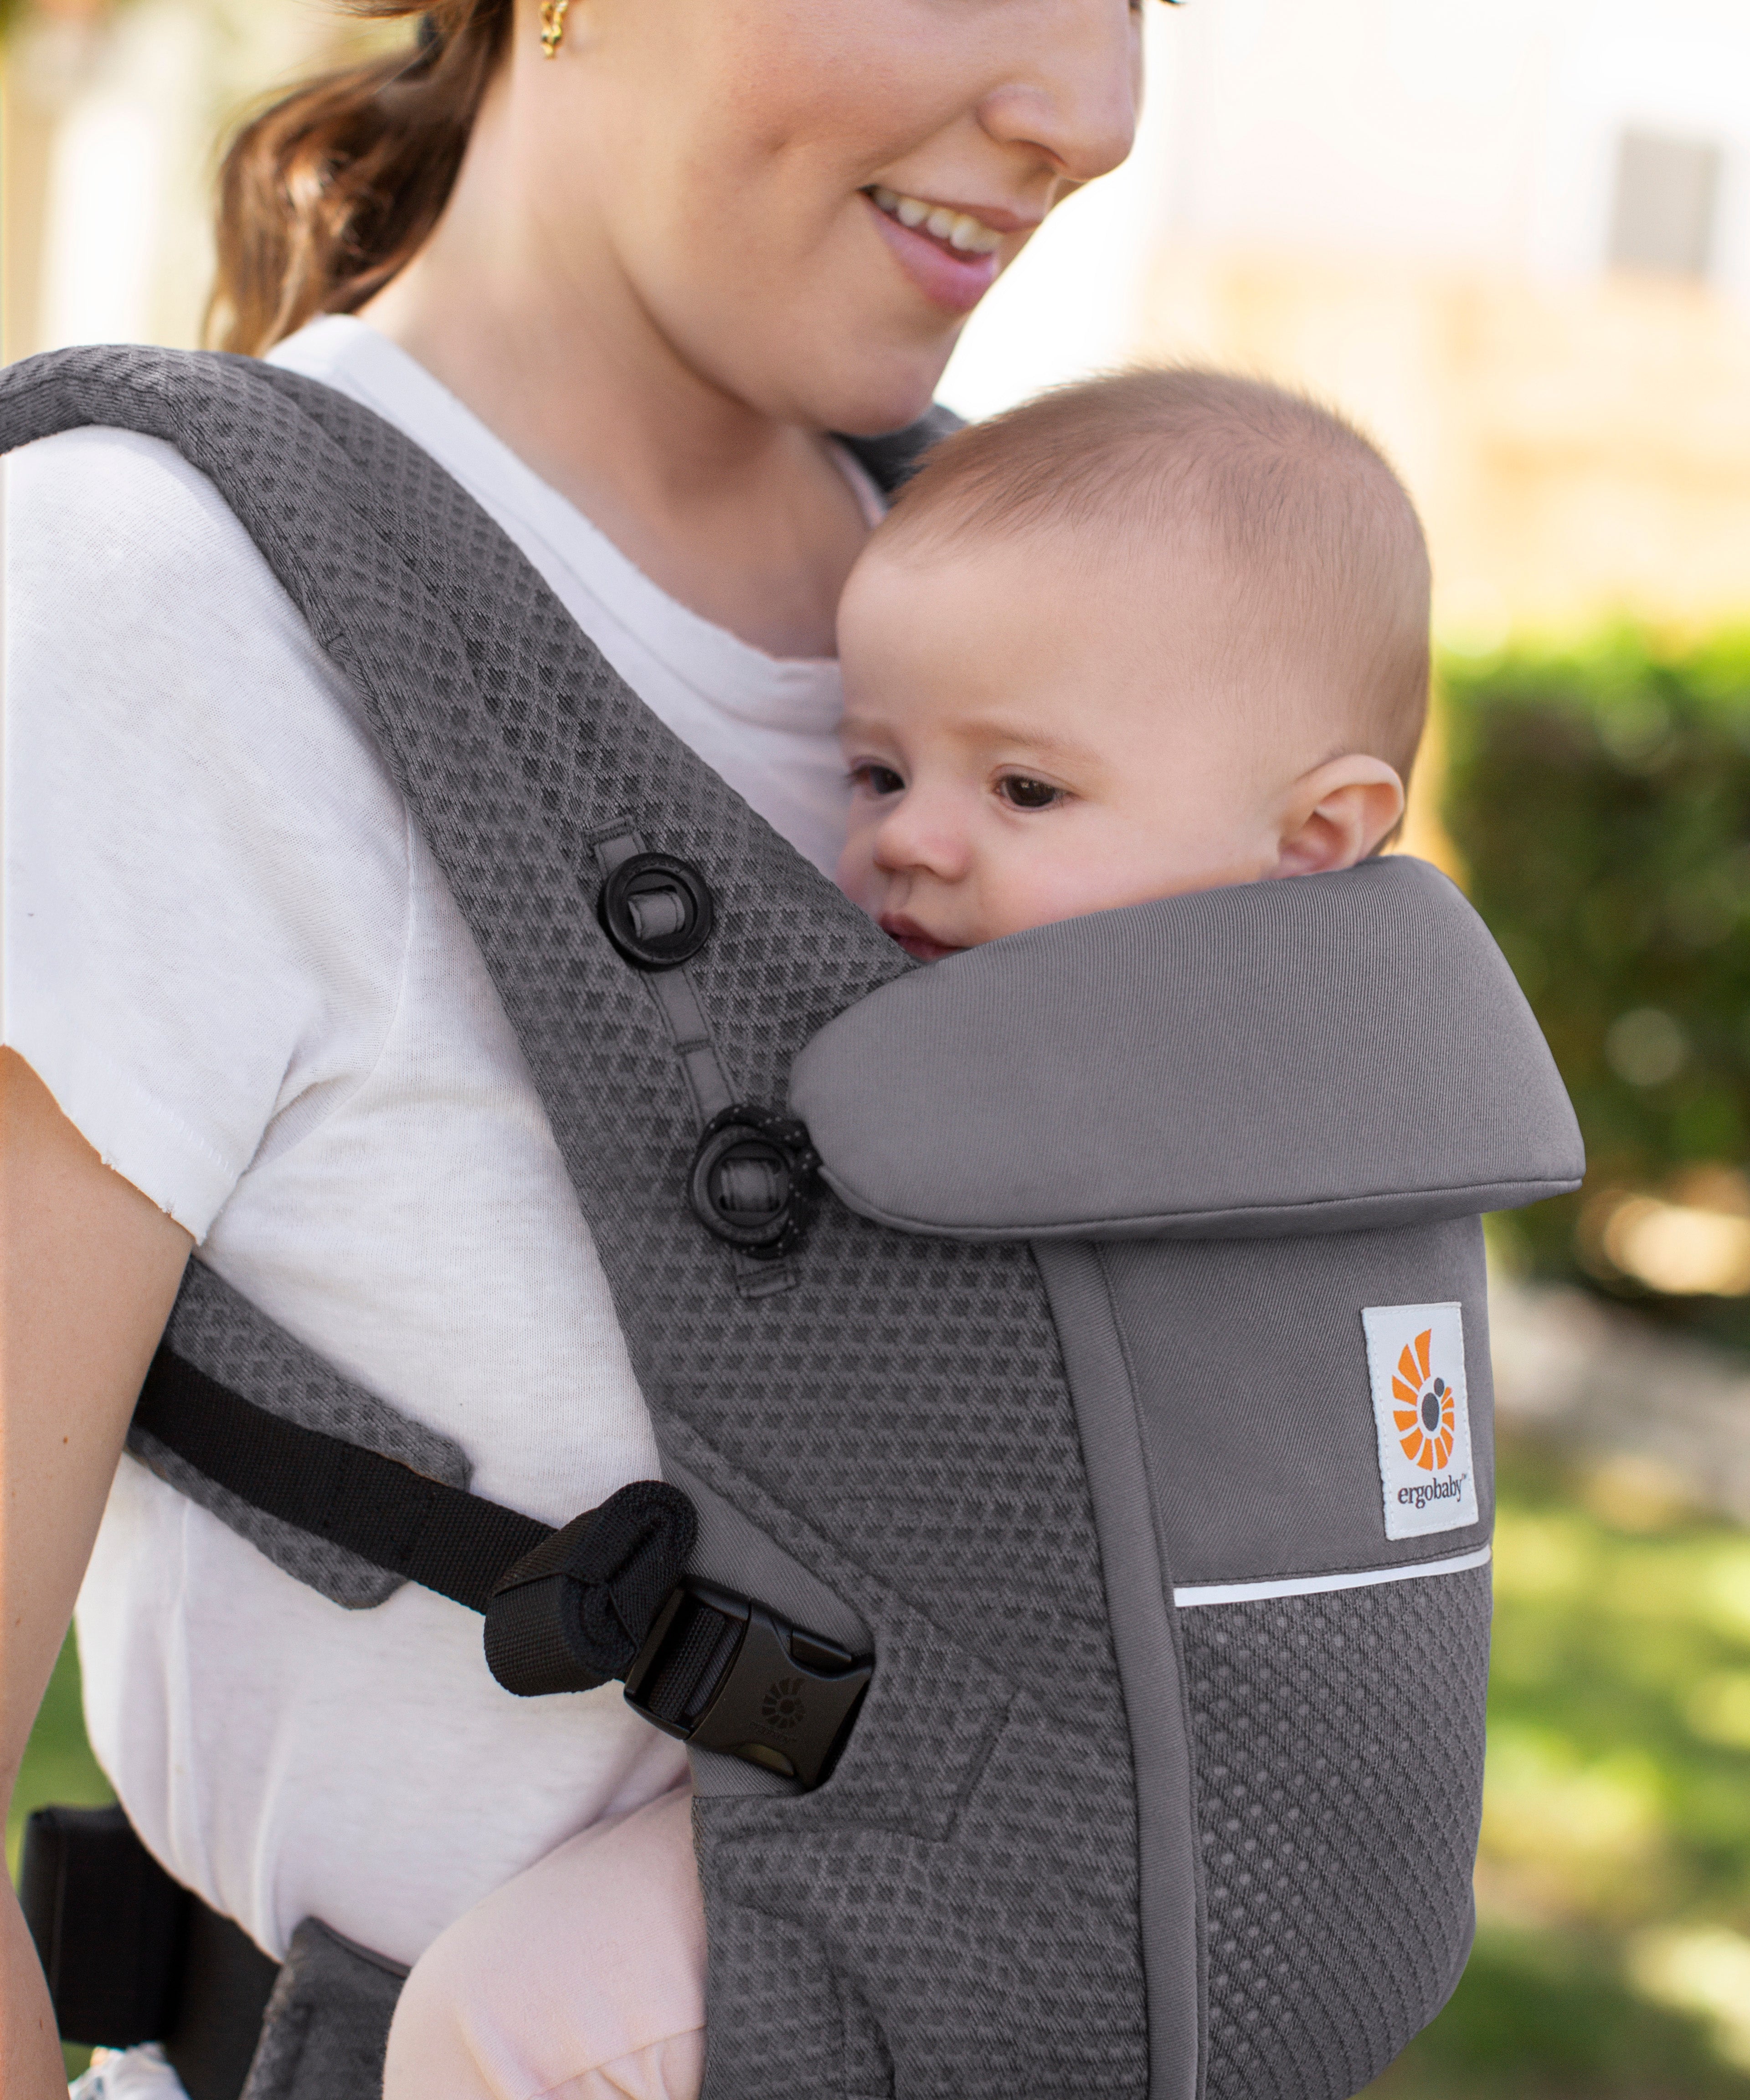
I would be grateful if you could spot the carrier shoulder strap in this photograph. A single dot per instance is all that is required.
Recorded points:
(990, 1774)
(355, 1515)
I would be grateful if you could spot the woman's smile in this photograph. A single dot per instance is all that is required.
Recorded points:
(962, 230)
(952, 255)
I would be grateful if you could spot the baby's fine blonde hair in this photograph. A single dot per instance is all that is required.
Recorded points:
(1304, 511)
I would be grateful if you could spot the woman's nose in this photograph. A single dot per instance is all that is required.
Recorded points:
(1076, 94)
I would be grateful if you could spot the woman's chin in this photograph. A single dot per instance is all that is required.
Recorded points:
(878, 394)
(854, 356)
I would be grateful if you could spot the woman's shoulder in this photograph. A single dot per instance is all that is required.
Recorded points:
(148, 639)
(113, 539)
(122, 504)
(134, 594)
(207, 861)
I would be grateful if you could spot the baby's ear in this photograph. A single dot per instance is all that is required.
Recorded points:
(1337, 814)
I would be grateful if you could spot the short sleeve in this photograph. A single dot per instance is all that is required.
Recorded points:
(206, 864)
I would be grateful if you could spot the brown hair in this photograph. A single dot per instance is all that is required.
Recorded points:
(325, 194)
(1290, 497)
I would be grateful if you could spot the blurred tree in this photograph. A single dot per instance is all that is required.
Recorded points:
(1600, 799)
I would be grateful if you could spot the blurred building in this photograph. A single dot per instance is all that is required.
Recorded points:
(110, 116)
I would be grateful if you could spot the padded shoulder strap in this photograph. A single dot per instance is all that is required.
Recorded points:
(518, 748)
(1327, 1054)
(840, 1961)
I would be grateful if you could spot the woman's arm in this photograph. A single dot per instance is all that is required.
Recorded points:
(88, 1268)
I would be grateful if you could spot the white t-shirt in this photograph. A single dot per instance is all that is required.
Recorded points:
(233, 961)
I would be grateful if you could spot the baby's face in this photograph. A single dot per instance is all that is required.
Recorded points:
(1026, 745)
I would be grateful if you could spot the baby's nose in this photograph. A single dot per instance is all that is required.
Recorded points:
(920, 838)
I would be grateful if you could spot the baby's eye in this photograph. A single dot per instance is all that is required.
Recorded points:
(1020, 791)
(874, 779)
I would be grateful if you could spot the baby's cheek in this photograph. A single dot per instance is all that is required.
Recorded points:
(856, 872)
(1076, 861)
(1061, 875)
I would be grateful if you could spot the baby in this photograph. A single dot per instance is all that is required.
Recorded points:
(1154, 633)
(1158, 632)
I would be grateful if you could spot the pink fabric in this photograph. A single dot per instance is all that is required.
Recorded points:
(582, 1979)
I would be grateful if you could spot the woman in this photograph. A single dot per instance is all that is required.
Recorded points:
(620, 265)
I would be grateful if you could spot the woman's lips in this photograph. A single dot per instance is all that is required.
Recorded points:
(913, 939)
(946, 276)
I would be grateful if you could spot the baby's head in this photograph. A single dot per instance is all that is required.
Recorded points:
(1149, 634)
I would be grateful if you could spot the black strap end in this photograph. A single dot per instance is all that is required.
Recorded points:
(575, 1612)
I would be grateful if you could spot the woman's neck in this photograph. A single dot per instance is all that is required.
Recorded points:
(745, 518)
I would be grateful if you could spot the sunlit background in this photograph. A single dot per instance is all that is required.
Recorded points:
(1513, 240)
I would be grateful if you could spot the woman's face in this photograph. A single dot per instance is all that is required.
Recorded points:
(751, 167)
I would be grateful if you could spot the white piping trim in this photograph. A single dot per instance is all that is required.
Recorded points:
(1311, 1585)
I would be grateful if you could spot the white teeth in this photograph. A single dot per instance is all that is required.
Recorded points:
(959, 229)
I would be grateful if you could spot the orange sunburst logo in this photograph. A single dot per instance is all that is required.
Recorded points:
(1426, 1413)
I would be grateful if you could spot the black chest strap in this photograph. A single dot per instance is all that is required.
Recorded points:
(422, 1529)
(567, 1609)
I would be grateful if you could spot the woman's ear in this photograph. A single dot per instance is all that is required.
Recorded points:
(1337, 814)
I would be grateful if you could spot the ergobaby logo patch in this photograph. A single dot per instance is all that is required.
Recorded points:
(1416, 1361)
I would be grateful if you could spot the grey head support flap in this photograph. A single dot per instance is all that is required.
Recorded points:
(1126, 1398)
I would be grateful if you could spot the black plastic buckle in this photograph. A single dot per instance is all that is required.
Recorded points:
(723, 1673)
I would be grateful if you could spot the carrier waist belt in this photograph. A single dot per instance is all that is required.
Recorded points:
(566, 1608)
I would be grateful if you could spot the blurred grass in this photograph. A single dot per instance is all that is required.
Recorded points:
(1612, 1959)
(58, 1767)
(1613, 1947)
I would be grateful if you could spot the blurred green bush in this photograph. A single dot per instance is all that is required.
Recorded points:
(1600, 802)
(1612, 1957)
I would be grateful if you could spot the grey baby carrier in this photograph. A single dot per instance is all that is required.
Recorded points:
(1085, 1631)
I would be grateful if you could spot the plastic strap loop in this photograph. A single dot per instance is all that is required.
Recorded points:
(573, 1613)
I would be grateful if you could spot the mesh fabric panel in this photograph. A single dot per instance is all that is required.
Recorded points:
(326, 2029)
(1339, 1742)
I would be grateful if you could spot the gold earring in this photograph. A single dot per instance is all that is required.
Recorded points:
(551, 26)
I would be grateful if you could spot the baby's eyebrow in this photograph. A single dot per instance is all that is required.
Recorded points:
(872, 727)
(994, 729)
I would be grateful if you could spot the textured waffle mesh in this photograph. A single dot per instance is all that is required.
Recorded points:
(899, 1421)
(1339, 1743)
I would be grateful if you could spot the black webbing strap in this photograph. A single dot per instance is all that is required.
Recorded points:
(440, 1537)
(567, 1609)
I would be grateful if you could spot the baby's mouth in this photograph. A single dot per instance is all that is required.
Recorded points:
(959, 231)
(911, 936)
